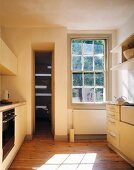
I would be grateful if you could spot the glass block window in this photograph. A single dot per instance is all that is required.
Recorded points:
(88, 70)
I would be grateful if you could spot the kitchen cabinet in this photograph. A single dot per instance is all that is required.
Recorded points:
(113, 124)
(20, 125)
(8, 61)
(127, 140)
(120, 135)
(20, 133)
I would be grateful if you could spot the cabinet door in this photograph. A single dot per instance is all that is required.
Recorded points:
(8, 61)
(20, 125)
(127, 140)
(0, 139)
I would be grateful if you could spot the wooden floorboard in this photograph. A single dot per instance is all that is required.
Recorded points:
(38, 153)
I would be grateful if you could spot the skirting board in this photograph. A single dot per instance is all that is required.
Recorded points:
(61, 138)
(121, 154)
(28, 137)
(90, 137)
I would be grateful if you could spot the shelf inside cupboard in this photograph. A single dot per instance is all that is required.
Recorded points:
(42, 75)
(127, 65)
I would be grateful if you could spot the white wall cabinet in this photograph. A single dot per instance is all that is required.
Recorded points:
(8, 61)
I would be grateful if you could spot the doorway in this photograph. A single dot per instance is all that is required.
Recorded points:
(43, 93)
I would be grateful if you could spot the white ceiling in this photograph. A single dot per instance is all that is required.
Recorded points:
(73, 14)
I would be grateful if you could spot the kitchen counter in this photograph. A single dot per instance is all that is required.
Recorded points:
(113, 103)
(10, 106)
(126, 104)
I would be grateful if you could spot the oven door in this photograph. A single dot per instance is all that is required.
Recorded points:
(8, 135)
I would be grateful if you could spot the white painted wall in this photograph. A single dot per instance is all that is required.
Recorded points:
(20, 40)
(123, 81)
(125, 30)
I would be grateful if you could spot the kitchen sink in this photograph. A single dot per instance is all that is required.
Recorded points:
(127, 114)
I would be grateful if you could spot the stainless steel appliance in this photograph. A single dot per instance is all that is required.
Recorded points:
(8, 131)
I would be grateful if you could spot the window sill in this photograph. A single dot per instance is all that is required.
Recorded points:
(88, 106)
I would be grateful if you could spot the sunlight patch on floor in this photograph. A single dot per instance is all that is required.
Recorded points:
(70, 162)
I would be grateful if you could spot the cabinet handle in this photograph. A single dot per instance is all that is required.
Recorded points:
(112, 121)
(7, 120)
(112, 134)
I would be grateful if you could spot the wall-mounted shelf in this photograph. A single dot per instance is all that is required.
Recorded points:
(40, 87)
(127, 65)
(43, 94)
(41, 107)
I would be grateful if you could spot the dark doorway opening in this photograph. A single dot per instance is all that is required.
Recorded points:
(43, 93)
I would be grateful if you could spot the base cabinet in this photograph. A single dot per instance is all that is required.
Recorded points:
(20, 125)
(113, 125)
(20, 132)
(120, 135)
(127, 140)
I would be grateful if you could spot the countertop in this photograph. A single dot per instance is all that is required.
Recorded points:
(113, 103)
(126, 104)
(10, 106)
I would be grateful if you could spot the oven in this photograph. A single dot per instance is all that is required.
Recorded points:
(8, 131)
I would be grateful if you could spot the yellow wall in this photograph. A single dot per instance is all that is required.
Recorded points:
(20, 40)
(0, 53)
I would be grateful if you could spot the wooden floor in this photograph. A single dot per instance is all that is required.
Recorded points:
(42, 153)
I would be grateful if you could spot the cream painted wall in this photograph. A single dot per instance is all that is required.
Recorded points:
(21, 41)
(0, 53)
(86, 121)
(21, 86)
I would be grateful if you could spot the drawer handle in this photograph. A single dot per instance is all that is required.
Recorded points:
(112, 134)
(112, 121)
(112, 114)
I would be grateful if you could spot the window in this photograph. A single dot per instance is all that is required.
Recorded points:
(88, 70)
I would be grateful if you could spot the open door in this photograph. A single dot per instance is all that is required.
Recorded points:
(43, 93)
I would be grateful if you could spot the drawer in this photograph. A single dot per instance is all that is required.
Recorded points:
(113, 138)
(114, 115)
(112, 125)
(113, 108)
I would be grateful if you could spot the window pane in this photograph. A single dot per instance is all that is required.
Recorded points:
(99, 79)
(99, 63)
(89, 79)
(99, 94)
(88, 94)
(88, 47)
(77, 94)
(99, 47)
(77, 63)
(88, 63)
(77, 47)
(77, 79)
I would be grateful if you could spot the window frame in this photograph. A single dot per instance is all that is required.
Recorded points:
(87, 71)
(108, 45)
